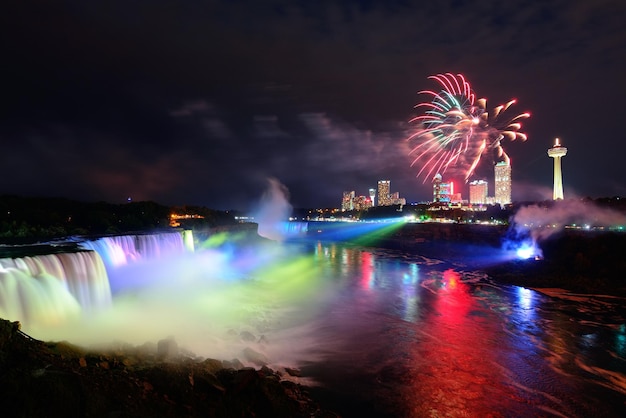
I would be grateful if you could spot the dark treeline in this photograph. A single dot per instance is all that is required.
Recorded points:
(37, 217)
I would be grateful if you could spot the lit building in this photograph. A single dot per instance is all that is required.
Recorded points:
(384, 197)
(362, 203)
(503, 182)
(557, 152)
(436, 187)
(442, 192)
(373, 196)
(455, 197)
(395, 199)
(175, 218)
(347, 203)
(478, 191)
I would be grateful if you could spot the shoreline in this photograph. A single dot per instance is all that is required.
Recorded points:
(59, 379)
(576, 261)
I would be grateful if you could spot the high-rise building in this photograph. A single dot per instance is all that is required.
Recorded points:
(503, 182)
(478, 191)
(436, 187)
(384, 197)
(442, 191)
(362, 202)
(373, 196)
(347, 202)
(557, 152)
(395, 199)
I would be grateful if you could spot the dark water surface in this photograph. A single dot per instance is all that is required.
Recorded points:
(404, 335)
(378, 332)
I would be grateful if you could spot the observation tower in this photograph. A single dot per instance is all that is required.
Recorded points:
(557, 152)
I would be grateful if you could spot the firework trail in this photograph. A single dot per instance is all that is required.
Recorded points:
(455, 129)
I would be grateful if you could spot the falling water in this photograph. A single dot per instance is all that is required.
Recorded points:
(51, 289)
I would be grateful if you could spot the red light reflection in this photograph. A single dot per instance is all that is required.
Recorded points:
(451, 374)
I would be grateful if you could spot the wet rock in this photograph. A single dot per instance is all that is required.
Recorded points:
(247, 336)
(293, 372)
(167, 349)
(212, 365)
(255, 357)
(233, 364)
(43, 379)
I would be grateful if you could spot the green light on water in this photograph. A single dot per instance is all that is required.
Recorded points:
(375, 236)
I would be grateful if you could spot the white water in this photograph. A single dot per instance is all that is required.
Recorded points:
(153, 288)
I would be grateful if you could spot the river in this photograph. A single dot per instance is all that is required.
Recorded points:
(404, 335)
(375, 332)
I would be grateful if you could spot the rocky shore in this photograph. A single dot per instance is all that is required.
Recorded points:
(40, 379)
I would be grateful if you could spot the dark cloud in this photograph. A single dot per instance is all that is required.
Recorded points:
(202, 102)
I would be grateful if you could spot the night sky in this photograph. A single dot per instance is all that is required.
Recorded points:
(201, 102)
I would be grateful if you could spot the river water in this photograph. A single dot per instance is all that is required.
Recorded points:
(375, 332)
(404, 335)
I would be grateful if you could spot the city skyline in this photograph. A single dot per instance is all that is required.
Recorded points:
(202, 104)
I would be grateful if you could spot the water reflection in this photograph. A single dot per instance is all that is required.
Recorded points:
(620, 341)
(367, 270)
(413, 337)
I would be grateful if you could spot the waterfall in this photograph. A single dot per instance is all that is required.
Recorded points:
(52, 288)
(124, 249)
(48, 289)
(292, 229)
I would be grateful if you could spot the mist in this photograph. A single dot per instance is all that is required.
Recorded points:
(273, 211)
(212, 303)
(542, 221)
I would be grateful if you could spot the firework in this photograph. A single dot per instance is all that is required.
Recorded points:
(455, 130)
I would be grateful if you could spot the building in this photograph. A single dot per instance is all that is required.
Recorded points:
(347, 203)
(373, 196)
(478, 191)
(395, 199)
(437, 187)
(557, 152)
(442, 192)
(503, 182)
(362, 203)
(384, 196)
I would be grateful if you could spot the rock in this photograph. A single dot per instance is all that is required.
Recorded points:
(247, 336)
(293, 372)
(255, 357)
(44, 379)
(167, 349)
(211, 365)
(233, 364)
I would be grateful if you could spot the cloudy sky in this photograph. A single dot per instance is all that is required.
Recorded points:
(201, 102)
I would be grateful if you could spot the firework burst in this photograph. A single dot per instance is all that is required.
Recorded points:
(455, 130)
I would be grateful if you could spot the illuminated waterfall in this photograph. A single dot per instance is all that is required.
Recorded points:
(188, 240)
(52, 288)
(47, 289)
(120, 250)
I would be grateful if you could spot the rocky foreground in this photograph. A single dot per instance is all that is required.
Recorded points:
(43, 379)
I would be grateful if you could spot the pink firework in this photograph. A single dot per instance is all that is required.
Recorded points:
(455, 130)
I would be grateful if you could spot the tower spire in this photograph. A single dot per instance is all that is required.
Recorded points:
(557, 152)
